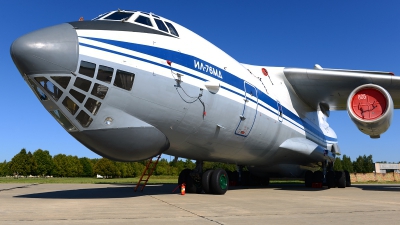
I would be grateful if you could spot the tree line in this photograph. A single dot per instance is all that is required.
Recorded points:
(41, 163)
(363, 164)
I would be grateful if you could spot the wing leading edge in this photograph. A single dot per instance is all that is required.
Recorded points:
(334, 86)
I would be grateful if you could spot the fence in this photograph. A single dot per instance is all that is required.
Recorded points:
(371, 177)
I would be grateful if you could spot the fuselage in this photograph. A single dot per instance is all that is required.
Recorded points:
(132, 87)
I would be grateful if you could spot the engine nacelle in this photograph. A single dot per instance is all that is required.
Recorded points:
(370, 107)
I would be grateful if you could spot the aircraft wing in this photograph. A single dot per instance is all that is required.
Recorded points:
(334, 86)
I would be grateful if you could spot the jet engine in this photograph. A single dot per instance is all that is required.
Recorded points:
(370, 107)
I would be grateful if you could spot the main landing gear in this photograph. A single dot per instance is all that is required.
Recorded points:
(210, 182)
(328, 177)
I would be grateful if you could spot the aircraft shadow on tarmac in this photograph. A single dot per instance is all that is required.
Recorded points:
(379, 187)
(300, 187)
(114, 191)
(125, 191)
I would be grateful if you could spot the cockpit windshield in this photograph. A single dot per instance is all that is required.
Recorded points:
(119, 16)
(142, 18)
(172, 29)
(161, 25)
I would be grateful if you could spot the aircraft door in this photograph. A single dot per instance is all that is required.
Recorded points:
(250, 106)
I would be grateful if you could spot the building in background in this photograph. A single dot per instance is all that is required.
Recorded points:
(387, 167)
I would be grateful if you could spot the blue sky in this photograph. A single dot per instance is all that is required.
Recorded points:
(335, 34)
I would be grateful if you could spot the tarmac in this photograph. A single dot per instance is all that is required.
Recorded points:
(119, 204)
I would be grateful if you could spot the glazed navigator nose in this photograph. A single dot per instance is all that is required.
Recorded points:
(52, 50)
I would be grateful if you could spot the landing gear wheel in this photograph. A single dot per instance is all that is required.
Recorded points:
(330, 179)
(245, 179)
(190, 184)
(183, 176)
(206, 180)
(233, 178)
(340, 179)
(318, 177)
(265, 181)
(308, 178)
(348, 180)
(219, 182)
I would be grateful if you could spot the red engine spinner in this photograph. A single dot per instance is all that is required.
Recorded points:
(369, 104)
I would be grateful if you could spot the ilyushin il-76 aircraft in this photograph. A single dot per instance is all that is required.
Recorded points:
(131, 85)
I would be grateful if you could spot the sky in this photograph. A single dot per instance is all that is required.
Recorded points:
(362, 35)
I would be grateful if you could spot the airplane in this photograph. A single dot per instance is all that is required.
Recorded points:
(130, 85)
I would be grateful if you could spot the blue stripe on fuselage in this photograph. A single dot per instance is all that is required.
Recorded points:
(188, 61)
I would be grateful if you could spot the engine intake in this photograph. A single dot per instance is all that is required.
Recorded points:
(370, 107)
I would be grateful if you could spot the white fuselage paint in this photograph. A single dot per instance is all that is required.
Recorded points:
(214, 137)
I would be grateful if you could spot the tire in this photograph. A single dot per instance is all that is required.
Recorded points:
(340, 179)
(183, 176)
(318, 177)
(205, 181)
(265, 181)
(348, 180)
(254, 180)
(245, 178)
(230, 175)
(219, 182)
(330, 179)
(190, 185)
(234, 179)
(308, 178)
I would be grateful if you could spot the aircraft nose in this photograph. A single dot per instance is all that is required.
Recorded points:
(50, 50)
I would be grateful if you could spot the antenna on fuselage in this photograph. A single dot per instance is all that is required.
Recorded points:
(318, 67)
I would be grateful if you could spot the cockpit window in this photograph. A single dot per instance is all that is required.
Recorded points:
(161, 25)
(105, 73)
(87, 68)
(99, 16)
(82, 84)
(39, 93)
(119, 16)
(144, 20)
(172, 29)
(92, 105)
(84, 119)
(60, 117)
(124, 79)
(70, 105)
(62, 81)
(99, 90)
(53, 90)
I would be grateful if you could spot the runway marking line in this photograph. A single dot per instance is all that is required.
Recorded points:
(186, 210)
(25, 186)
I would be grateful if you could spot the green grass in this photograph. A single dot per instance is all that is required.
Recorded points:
(153, 180)
(89, 180)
